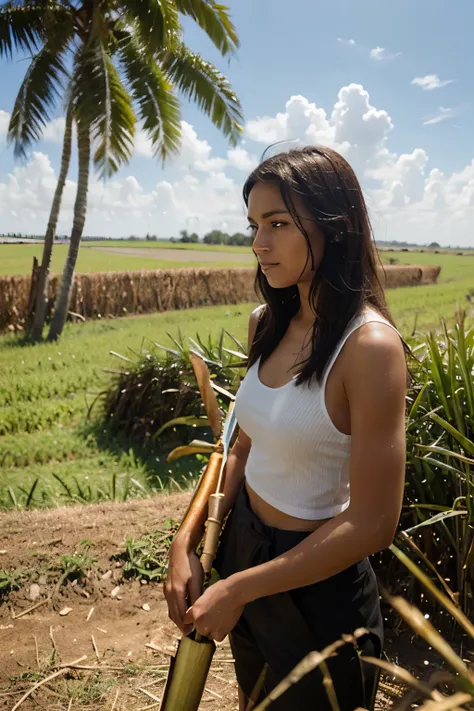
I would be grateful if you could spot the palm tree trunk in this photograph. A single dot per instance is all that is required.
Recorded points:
(62, 300)
(42, 293)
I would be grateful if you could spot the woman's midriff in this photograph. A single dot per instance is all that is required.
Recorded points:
(277, 519)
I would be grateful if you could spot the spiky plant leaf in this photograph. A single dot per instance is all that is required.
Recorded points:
(155, 22)
(37, 97)
(158, 107)
(21, 27)
(103, 105)
(189, 421)
(214, 19)
(200, 82)
(186, 450)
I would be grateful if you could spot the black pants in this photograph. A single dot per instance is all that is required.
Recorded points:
(280, 630)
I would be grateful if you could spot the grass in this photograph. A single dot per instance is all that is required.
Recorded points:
(45, 396)
(16, 259)
(147, 559)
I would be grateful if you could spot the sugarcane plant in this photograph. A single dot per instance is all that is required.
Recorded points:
(439, 498)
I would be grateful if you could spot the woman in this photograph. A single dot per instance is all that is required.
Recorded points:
(315, 479)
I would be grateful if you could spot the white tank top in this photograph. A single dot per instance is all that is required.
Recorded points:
(299, 460)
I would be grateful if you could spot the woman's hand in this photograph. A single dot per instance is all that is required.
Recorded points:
(183, 584)
(217, 611)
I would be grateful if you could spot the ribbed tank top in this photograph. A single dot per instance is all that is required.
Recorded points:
(299, 460)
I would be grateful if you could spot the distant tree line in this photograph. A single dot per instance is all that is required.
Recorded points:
(214, 237)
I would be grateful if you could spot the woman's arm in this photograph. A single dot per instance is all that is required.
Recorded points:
(375, 387)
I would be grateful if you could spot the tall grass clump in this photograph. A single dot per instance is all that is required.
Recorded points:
(155, 399)
(439, 502)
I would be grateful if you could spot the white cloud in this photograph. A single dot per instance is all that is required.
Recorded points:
(4, 121)
(348, 42)
(54, 130)
(196, 154)
(443, 114)
(241, 159)
(355, 127)
(120, 207)
(431, 81)
(379, 54)
(409, 198)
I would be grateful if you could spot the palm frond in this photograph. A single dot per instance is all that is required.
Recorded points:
(214, 19)
(36, 98)
(158, 107)
(21, 28)
(102, 103)
(202, 83)
(156, 22)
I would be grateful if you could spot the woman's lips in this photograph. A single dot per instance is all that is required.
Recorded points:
(266, 267)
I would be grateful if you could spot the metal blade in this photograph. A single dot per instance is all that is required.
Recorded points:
(229, 427)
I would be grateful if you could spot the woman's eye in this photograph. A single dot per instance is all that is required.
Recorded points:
(278, 224)
(252, 229)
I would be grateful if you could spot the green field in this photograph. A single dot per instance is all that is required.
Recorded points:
(18, 259)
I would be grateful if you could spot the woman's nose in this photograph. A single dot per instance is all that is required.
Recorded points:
(259, 245)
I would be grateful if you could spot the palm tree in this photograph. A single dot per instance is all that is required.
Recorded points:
(115, 62)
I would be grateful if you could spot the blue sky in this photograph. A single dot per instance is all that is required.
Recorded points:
(411, 144)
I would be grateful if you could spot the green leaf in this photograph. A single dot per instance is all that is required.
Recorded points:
(222, 391)
(36, 99)
(31, 493)
(189, 449)
(465, 365)
(185, 420)
(102, 104)
(154, 22)
(214, 19)
(445, 452)
(21, 27)
(445, 601)
(158, 107)
(466, 443)
(445, 467)
(237, 354)
(438, 374)
(200, 82)
(436, 519)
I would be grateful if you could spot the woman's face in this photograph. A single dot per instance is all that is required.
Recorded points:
(280, 246)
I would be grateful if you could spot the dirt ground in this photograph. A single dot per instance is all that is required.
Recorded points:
(123, 642)
(180, 255)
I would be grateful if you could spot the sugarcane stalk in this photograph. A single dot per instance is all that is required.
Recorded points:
(190, 667)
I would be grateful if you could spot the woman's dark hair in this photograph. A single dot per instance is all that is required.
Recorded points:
(347, 278)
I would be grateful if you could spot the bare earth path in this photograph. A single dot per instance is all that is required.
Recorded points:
(179, 255)
(127, 639)
(119, 627)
